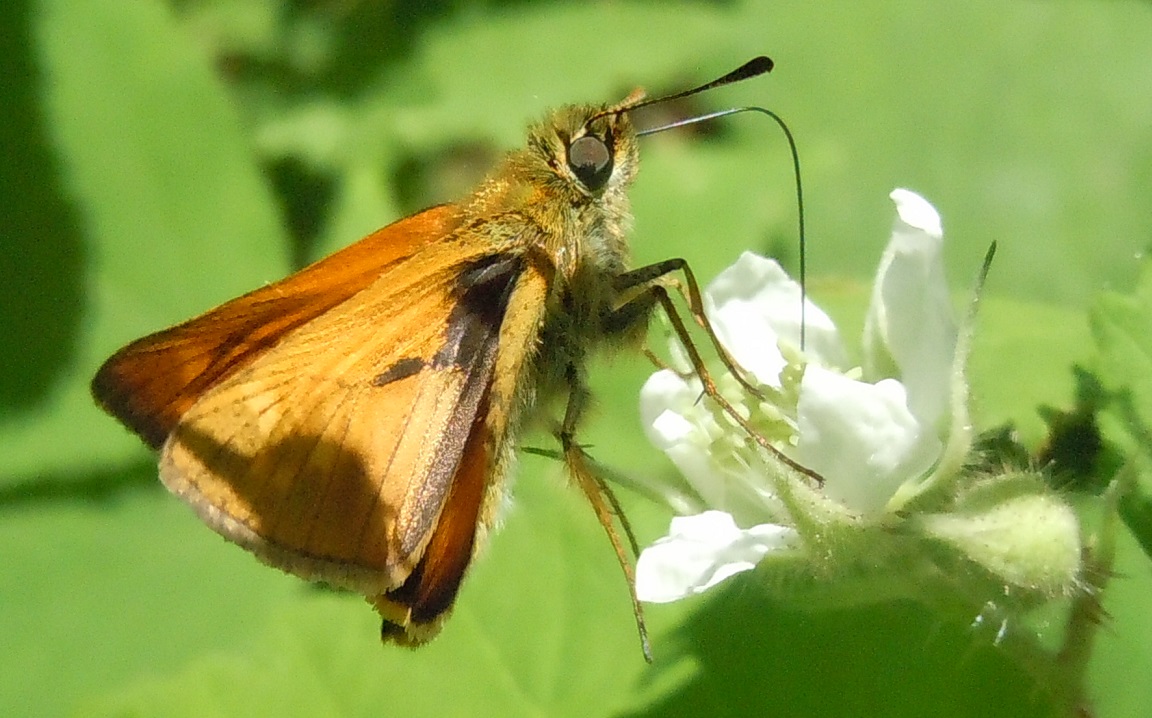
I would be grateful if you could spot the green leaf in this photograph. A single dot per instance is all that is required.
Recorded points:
(1136, 511)
(1122, 655)
(1022, 358)
(97, 594)
(165, 192)
(1122, 326)
(757, 657)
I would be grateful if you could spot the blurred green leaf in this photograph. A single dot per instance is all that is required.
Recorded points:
(1122, 326)
(1136, 510)
(1122, 657)
(756, 657)
(1009, 380)
(165, 191)
(96, 595)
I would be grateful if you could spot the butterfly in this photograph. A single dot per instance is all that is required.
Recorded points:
(355, 422)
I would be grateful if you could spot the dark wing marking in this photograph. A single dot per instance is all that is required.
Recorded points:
(406, 367)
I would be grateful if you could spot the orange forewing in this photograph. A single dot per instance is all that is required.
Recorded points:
(150, 383)
(355, 442)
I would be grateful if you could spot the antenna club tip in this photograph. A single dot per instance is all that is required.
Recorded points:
(760, 65)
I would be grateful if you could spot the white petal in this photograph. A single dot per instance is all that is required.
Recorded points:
(675, 424)
(910, 331)
(701, 551)
(753, 304)
(680, 426)
(916, 212)
(860, 437)
(664, 391)
(670, 429)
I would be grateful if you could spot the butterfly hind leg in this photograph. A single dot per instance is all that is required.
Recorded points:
(589, 476)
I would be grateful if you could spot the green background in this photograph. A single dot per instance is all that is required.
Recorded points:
(161, 158)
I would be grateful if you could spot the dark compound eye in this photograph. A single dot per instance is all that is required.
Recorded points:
(590, 160)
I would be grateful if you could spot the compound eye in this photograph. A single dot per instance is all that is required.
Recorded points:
(590, 160)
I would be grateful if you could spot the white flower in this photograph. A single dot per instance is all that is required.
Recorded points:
(885, 437)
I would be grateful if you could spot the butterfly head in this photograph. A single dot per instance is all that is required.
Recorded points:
(587, 153)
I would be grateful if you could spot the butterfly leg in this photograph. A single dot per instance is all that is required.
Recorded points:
(588, 476)
(635, 312)
(652, 275)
